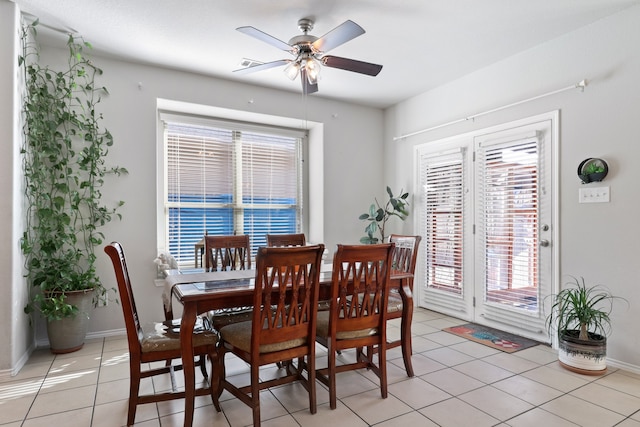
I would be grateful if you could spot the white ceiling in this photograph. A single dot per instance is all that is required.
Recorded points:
(421, 44)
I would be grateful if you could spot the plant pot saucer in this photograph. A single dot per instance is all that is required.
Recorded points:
(582, 371)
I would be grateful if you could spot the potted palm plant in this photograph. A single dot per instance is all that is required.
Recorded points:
(580, 316)
(378, 215)
(63, 160)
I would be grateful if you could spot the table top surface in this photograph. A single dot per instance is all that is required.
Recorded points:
(196, 283)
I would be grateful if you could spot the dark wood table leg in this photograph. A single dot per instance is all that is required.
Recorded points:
(188, 366)
(405, 325)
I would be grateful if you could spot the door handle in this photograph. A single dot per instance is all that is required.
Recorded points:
(544, 243)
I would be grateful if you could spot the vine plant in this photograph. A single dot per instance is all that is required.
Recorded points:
(63, 159)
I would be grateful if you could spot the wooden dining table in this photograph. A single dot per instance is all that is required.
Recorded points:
(200, 292)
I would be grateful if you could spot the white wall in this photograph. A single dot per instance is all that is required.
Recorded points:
(600, 242)
(352, 160)
(15, 333)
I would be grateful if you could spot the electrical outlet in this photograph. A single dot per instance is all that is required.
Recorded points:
(594, 195)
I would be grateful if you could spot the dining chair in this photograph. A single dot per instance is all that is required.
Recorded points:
(223, 253)
(232, 252)
(403, 260)
(282, 329)
(155, 344)
(357, 316)
(280, 240)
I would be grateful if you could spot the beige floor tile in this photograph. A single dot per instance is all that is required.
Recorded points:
(456, 413)
(75, 418)
(613, 400)
(91, 347)
(116, 343)
(373, 409)
(417, 393)
(240, 414)
(421, 364)
(294, 397)
(410, 419)
(583, 413)
(342, 416)
(452, 381)
(527, 390)
(538, 417)
(31, 370)
(496, 403)
(62, 401)
(510, 362)
(445, 338)
(115, 413)
(70, 364)
(15, 408)
(483, 371)
(541, 354)
(113, 391)
(423, 328)
(556, 379)
(69, 380)
(351, 382)
(621, 382)
(202, 417)
(474, 349)
(447, 356)
(629, 423)
(422, 344)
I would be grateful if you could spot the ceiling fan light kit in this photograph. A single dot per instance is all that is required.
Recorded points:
(309, 53)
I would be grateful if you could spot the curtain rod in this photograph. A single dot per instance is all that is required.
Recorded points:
(580, 85)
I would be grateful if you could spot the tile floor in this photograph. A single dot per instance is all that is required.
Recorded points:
(457, 383)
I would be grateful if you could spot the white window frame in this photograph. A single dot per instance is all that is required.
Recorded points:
(313, 190)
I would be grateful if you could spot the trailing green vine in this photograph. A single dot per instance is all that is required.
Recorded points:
(64, 167)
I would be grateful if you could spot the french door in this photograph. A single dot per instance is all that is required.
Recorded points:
(486, 214)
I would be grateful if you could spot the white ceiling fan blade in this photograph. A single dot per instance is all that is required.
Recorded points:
(344, 32)
(261, 67)
(269, 39)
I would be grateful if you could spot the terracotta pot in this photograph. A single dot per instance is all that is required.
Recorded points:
(585, 357)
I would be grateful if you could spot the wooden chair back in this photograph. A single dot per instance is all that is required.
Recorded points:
(127, 301)
(286, 289)
(359, 288)
(227, 252)
(280, 240)
(405, 253)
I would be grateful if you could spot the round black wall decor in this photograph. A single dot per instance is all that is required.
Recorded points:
(592, 170)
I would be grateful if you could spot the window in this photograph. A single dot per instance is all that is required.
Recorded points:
(229, 178)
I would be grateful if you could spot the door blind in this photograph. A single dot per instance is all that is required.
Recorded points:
(442, 180)
(508, 237)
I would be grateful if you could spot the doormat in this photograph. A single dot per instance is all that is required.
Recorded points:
(494, 338)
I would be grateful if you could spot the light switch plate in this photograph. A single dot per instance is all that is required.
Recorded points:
(594, 195)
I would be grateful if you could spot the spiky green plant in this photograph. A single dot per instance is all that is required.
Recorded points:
(583, 308)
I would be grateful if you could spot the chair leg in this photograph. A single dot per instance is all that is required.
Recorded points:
(255, 394)
(332, 379)
(134, 391)
(214, 383)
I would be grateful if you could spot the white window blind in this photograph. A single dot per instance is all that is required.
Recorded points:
(225, 180)
(442, 181)
(508, 226)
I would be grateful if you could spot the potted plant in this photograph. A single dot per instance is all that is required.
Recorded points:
(580, 318)
(592, 170)
(63, 160)
(378, 216)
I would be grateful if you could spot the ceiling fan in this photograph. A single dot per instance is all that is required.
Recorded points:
(310, 52)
